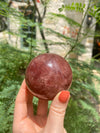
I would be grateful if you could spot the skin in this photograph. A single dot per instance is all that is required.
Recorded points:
(26, 122)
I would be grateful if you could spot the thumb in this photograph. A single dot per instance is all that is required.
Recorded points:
(57, 111)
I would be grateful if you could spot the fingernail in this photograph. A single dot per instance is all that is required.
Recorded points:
(64, 95)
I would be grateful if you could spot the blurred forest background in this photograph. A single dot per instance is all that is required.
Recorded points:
(82, 115)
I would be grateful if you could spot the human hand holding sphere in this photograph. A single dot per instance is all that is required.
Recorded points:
(43, 122)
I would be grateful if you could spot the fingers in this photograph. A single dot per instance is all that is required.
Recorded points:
(23, 104)
(42, 107)
(57, 111)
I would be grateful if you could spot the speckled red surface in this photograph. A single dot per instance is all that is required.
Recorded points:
(47, 74)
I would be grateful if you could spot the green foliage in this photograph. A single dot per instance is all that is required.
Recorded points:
(79, 119)
(78, 7)
(81, 115)
(13, 63)
(95, 12)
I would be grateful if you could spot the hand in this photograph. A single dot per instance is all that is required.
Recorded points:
(26, 122)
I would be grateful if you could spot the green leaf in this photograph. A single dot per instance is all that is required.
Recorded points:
(69, 20)
(60, 9)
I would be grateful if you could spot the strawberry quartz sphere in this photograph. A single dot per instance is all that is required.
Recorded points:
(48, 74)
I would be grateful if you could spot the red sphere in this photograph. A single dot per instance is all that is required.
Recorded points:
(48, 74)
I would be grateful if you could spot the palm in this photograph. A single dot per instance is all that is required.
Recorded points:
(32, 125)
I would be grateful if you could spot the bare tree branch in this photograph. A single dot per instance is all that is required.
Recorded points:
(40, 20)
